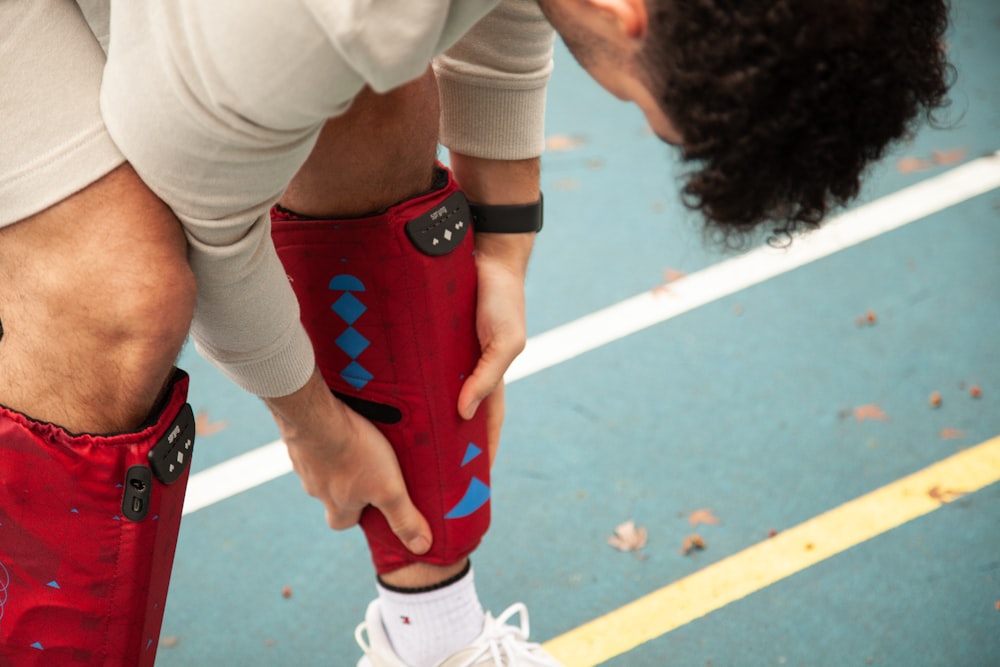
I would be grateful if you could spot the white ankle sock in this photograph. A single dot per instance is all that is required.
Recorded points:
(427, 627)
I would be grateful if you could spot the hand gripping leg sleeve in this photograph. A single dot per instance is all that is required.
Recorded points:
(389, 302)
(88, 526)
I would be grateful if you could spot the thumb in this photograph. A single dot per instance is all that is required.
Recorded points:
(494, 420)
(486, 377)
(408, 524)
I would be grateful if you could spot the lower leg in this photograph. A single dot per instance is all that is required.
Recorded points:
(96, 301)
(347, 175)
(383, 151)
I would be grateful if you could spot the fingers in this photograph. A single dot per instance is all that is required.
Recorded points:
(495, 407)
(405, 520)
(487, 376)
(477, 387)
(408, 524)
(339, 519)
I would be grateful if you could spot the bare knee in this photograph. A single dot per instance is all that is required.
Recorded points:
(101, 302)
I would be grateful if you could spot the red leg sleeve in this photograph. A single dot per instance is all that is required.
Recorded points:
(88, 526)
(389, 301)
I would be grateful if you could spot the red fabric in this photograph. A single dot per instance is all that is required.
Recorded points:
(80, 584)
(419, 325)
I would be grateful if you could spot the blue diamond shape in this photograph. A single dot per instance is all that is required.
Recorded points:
(348, 307)
(352, 342)
(356, 375)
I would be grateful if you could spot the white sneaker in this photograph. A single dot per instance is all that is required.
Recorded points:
(499, 644)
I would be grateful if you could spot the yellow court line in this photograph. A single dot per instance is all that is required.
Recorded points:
(779, 557)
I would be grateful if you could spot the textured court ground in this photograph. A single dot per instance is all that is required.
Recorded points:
(773, 406)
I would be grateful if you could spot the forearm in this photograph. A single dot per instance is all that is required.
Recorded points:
(498, 182)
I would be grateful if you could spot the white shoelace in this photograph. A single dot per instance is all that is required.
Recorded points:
(504, 641)
(511, 642)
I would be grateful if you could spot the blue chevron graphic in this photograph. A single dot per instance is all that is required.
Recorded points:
(475, 497)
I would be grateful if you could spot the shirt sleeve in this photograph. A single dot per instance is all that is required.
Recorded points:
(493, 83)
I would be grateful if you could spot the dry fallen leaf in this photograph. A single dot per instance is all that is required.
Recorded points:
(286, 592)
(169, 641)
(951, 433)
(693, 542)
(564, 142)
(909, 165)
(771, 532)
(203, 427)
(944, 495)
(628, 537)
(868, 319)
(671, 275)
(703, 515)
(953, 156)
(870, 411)
(935, 399)
(975, 391)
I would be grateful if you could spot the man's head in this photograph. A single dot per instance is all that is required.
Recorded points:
(778, 105)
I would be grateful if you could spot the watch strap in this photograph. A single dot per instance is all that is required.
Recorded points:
(507, 218)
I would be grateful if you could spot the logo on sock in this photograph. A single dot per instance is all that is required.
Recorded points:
(405, 620)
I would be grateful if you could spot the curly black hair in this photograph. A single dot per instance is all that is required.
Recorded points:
(783, 104)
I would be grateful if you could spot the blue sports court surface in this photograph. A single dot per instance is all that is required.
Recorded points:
(765, 419)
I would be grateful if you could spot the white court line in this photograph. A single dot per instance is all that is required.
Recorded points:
(649, 308)
(236, 475)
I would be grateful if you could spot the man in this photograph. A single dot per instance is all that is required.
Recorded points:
(219, 107)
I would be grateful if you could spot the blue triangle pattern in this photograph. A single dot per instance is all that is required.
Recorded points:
(471, 453)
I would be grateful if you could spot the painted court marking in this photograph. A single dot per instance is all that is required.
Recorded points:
(728, 277)
(779, 557)
(570, 340)
(787, 553)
